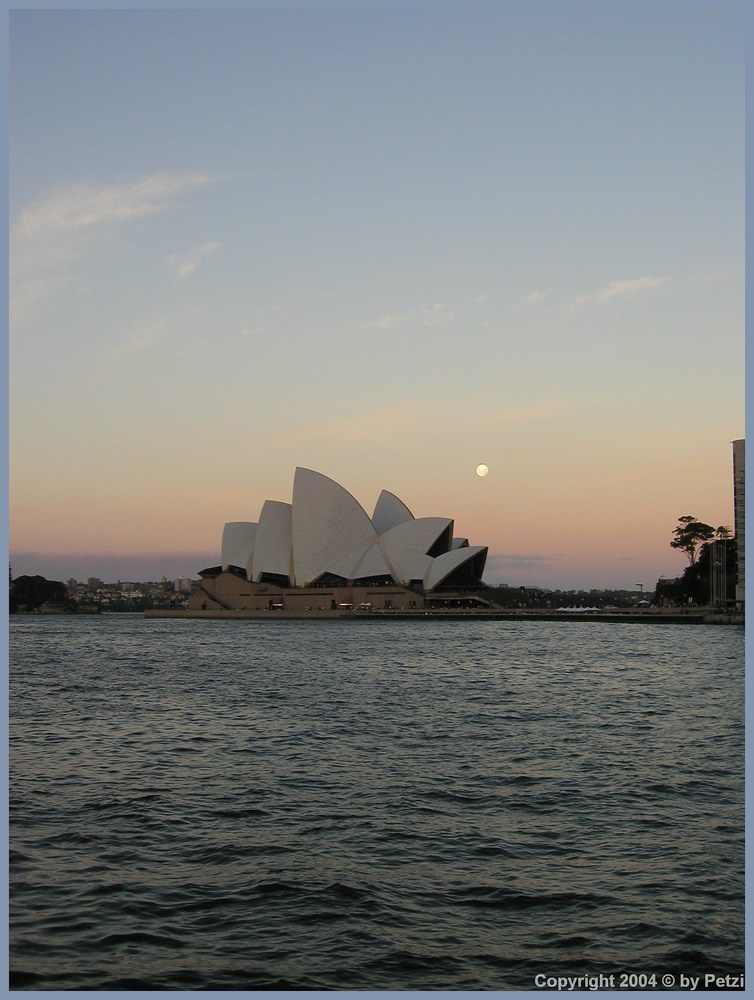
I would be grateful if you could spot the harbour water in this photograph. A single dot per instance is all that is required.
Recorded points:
(236, 805)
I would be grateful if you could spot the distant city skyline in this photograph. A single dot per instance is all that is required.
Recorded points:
(389, 245)
(153, 568)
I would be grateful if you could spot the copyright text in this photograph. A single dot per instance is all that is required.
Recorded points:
(641, 981)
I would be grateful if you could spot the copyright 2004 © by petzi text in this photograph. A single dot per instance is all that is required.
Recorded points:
(639, 981)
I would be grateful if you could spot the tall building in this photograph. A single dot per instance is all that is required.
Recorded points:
(739, 514)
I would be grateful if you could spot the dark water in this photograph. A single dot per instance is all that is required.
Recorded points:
(373, 806)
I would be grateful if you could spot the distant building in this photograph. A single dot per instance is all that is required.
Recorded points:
(739, 514)
(323, 551)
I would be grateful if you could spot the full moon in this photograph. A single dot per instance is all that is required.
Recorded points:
(482, 470)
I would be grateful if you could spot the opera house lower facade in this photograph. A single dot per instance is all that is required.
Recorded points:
(323, 552)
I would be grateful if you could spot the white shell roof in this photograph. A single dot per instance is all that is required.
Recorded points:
(412, 566)
(372, 563)
(409, 538)
(272, 548)
(325, 530)
(331, 531)
(445, 564)
(238, 544)
(389, 511)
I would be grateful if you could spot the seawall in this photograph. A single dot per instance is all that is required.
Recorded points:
(669, 616)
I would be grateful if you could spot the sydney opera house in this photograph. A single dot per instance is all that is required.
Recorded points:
(323, 552)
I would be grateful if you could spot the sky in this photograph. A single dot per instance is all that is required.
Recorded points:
(386, 245)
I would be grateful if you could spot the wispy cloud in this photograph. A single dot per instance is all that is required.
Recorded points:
(184, 265)
(533, 297)
(391, 419)
(438, 314)
(620, 288)
(49, 237)
(434, 315)
(137, 340)
(538, 411)
(85, 207)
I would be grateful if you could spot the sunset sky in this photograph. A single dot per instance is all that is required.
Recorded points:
(385, 245)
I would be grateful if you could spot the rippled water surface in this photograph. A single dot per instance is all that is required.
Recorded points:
(381, 805)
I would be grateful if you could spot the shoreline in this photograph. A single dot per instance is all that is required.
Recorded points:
(673, 616)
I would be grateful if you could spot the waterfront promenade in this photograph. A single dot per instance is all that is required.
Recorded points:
(650, 616)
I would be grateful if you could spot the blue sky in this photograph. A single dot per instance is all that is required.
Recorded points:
(385, 245)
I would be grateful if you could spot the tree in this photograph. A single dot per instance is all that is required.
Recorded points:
(689, 535)
(30, 592)
(723, 533)
(694, 583)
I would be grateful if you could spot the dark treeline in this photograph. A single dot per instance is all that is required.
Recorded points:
(29, 593)
(695, 583)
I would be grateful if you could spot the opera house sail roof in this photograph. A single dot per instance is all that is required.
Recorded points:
(325, 534)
